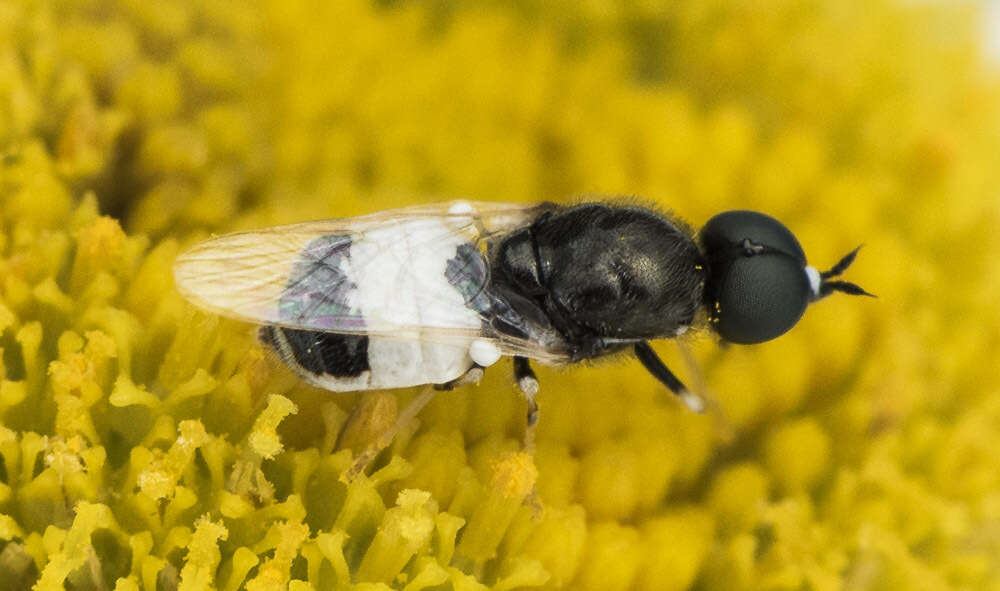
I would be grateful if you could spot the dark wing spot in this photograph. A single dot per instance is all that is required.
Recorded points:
(467, 273)
(317, 289)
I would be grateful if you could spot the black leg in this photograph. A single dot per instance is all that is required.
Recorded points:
(655, 366)
(527, 383)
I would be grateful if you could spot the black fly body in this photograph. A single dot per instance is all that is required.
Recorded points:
(435, 294)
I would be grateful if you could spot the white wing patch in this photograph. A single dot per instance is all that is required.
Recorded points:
(399, 273)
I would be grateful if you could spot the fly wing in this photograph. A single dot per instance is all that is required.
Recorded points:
(415, 274)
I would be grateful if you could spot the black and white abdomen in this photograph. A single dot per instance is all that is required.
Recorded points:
(348, 362)
(399, 281)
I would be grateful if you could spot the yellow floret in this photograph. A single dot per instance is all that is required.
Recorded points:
(203, 556)
(798, 455)
(145, 445)
(263, 439)
(159, 478)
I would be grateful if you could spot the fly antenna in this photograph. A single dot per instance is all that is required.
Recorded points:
(841, 265)
(825, 286)
(847, 287)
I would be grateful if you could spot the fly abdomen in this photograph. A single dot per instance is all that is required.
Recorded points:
(319, 353)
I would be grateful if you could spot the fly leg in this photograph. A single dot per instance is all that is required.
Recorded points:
(361, 463)
(473, 376)
(366, 457)
(655, 366)
(527, 384)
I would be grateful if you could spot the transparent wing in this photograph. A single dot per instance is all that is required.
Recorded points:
(415, 273)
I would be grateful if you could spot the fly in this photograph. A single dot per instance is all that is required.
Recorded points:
(435, 294)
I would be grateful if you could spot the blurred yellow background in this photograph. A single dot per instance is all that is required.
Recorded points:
(856, 452)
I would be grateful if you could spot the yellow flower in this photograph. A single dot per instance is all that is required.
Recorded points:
(147, 445)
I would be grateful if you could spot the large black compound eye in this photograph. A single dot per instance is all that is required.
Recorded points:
(758, 298)
(758, 287)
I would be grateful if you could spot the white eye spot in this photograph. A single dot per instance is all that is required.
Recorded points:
(681, 330)
(461, 208)
(483, 352)
(814, 279)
